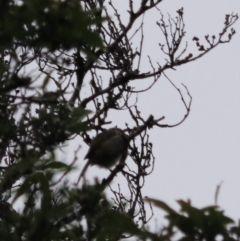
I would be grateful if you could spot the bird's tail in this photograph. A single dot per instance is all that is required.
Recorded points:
(83, 171)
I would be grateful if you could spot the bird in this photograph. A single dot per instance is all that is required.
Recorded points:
(107, 149)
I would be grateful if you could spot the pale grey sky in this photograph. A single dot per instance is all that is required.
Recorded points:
(193, 158)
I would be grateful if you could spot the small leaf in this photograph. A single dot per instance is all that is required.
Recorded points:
(56, 165)
(160, 204)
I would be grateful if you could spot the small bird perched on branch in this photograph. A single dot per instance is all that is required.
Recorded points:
(106, 149)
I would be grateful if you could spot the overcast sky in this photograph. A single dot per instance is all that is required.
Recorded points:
(192, 159)
(195, 157)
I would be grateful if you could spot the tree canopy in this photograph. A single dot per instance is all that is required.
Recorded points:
(51, 54)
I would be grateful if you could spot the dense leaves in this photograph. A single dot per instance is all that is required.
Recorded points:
(207, 223)
(48, 23)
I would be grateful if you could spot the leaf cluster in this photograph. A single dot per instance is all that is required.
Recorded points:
(48, 23)
(192, 223)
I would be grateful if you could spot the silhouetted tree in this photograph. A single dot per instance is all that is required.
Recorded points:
(51, 53)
